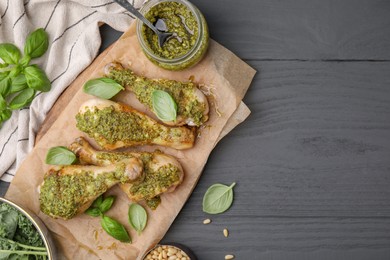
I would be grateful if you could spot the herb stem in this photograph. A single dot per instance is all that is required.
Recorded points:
(20, 252)
(232, 185)
(23, 245)
(6, 69)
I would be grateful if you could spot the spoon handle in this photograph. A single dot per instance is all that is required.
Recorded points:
(137, 14)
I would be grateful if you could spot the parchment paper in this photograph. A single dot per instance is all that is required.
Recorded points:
(82, 237)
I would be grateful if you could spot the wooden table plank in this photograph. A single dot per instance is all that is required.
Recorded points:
(316, 144)
(282, 238)
(301, 29)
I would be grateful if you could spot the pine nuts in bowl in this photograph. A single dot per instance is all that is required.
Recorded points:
(170, 251)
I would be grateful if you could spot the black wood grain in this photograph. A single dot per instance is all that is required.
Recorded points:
(311, 165)
(283, 238)
(317, 142)
(301, 29)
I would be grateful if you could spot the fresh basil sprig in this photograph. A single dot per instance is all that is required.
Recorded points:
(164, 106)
(105, 88)
(19, 80)
(60, 155)
(115, 229)
(137, 217)
(100, 206)
(218, 198)
(23, 98)
(111, 226)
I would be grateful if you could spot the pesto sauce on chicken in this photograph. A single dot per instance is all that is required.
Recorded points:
(114, 125)
(183, 93)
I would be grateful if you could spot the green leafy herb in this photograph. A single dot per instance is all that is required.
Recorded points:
(37, 43)
(60, 155)
(5, 85)
(18, 237)
(98, 202)
(137, 217)
(111, 226)
(164, 106)
(36, 78)
(9, 53)
(218, 198)
(106, 204)
(3, 103)
(115, 229)
(22, 99)
(18, 83)
(93, 212)
(18, 79)
(104, 88)
(5, 115)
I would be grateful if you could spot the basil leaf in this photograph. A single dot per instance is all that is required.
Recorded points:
(137, 217)
(93, 212)
(106, 204)
(22, 99)
(3, 75)
(9, 53)
(104, 88)
(36, 78)
(98, 201)
(115, 229)
(60, 155)
(37, 43)
(15, 71)
(5, 114)
(25, 60)
(18, 83)
(164, 106)
(218, 198)
(3, 103)
(5, 86)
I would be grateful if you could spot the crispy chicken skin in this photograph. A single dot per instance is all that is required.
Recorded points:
(69, 190)
(114, 125)
(163, 173)
(193, 107)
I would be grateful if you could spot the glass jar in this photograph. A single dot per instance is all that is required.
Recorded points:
(178, 52)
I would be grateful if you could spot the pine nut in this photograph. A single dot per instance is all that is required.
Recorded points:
(207, 221)
(226, 232)
(229, 257)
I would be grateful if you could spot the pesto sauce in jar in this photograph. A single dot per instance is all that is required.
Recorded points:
(180, 21)
(190, 38)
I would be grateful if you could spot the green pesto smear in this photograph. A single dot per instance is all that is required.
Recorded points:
(110, 125)
(62, 195)
(180, 21)
(155, 182)
(154, 202)
(183, 93)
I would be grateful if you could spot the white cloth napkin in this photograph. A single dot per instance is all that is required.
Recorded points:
(74, 41)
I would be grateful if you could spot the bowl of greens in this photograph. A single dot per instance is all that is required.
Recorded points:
(22, 234)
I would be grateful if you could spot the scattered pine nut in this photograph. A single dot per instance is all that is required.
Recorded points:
(229, 257)
(226, 232)
(207, 221)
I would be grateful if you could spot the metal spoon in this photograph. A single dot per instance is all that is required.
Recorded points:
(162, 36)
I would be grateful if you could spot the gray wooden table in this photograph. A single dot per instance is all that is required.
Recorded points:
(312, 162)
